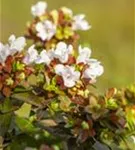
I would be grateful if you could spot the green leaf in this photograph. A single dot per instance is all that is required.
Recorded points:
(6, 106)
(85, 125)
(68, 32)
(21, 142)
(5, 116)
(64, 103)
(52, 87)
(25, 125)
(18, 66)
(32, 80)
(24, 110)
(21, 89)
(130, 117)
(112, 104)
(29, 98)
(59, 34)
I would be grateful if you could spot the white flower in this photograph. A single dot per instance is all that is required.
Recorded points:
(43, 58)
(80, 23)
(45, 30)
(68, 73)
(16, 44)
(84, 55)
(51, 54)
(62, 51)
(59, 69)
(95, 70)
(39, 8)
(4, 52)
(67, 11)
(31, 55)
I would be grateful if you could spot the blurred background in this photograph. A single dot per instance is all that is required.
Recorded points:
(111, 37)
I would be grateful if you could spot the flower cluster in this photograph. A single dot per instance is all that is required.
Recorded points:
(12, 69)
(65, 70)
(48, 28)
(69, 70)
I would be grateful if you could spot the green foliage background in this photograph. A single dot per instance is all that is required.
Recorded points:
(111, 37)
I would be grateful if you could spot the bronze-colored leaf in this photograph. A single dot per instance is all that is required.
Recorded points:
(7, 91)
(110, 93)
(48, 123)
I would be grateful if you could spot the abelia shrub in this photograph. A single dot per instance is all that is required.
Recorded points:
(47, 101)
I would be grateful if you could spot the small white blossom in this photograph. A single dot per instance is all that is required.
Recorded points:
(94, 70)
(80, 23)
(16, 44)
(84, 55)
(51, 54)
(62, 51)
(4, 52)
(31, 55)
(68, 73)
(45, 30)
(43, 58)
(39, 8)
(59, 69)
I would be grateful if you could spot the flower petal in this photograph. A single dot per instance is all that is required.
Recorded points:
(4, 52)
(84, 55)
(31, 56)
(80, 23)
(59, 69)
(17, 44)
(95, 70)
(45, 30)
(62, 51)
(43, 58)
(39, 8)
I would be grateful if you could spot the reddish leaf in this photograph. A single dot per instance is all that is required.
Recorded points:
(84, 135)
(7, 91)
(90, 122)
(114, 118)
(122, 122)
(59, 80)
(61, 17)
(8, 64)
(28, 70)
(78, 100)
(71, 60)
(92, 132)
(110, 93)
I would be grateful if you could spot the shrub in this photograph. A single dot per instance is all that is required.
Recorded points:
(46, 96)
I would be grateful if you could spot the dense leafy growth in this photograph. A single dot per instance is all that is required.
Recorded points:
(48, 100)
